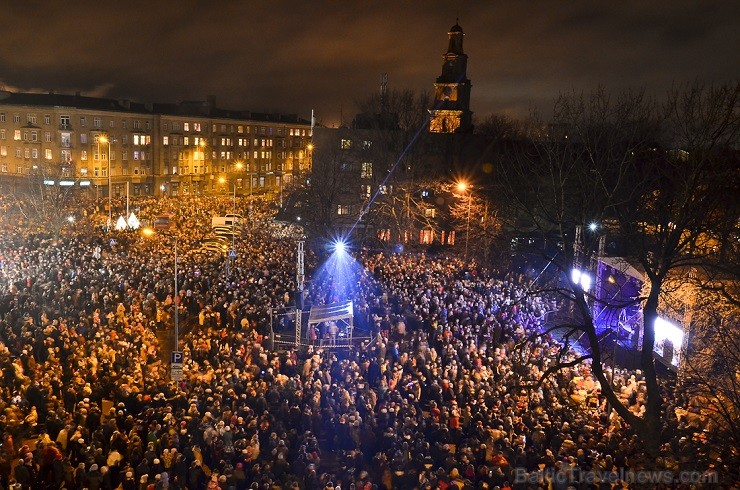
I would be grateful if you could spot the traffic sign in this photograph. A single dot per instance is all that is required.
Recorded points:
(232, 254)
(176, 371)
(176, 357)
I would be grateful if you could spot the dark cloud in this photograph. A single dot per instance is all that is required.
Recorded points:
(294, 56)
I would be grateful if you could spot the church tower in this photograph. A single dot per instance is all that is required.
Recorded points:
(451, 112)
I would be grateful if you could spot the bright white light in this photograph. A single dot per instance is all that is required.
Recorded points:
(585, 282)
(161, 187)
(575, 276)
(49, 182)
(66, 183)
(340, 246)
(581, 278)
(71, 218)
(84, 183)
(665, 330)
(593, 226)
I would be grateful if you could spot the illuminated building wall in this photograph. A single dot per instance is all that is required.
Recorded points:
(154, 148)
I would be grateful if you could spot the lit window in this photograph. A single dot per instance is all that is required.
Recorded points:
(17, 135)
(83, 155)
(346, 144)
(186, 126)
(367, 170)
(136, 155)
(165, 140)
(343, 209)
(4, 151)
(426, 237)
(196, 127)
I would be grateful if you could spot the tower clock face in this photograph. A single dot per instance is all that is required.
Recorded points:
(449, 93)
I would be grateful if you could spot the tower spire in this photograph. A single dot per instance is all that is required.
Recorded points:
(451, 112)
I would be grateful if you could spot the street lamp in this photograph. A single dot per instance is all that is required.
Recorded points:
(148, 232)
(222, 180)
(103, 138)
(462, 187)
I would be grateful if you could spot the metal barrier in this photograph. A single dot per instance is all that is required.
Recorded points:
(285, 341)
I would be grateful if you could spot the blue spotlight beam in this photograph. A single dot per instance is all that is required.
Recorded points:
(419, 131)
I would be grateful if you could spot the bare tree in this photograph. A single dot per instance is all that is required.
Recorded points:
(43, 200)
(646, 172)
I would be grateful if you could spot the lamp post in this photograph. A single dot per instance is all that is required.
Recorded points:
(462, 187)
(103, 138)
(148, 232)
(222, 180)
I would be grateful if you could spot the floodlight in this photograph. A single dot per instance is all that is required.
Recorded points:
(575, 276)
(581, 278)
(585, 282)
(340, 246)
(593, 226)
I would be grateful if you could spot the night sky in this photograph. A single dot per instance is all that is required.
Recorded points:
(296, 55)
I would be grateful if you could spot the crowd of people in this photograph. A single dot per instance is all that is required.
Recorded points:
(440, 396)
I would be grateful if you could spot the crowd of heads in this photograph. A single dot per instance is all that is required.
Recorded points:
(441, 394)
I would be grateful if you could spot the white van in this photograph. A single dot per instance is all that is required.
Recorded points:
(230, 220)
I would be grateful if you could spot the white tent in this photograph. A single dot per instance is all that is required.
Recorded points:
(121, 224)
(133, 222)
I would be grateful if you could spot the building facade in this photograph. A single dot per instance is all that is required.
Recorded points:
(118, 146)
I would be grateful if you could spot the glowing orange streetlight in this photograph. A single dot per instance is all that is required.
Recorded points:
(462, 186)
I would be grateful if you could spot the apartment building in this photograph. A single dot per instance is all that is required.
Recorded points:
(101, 144)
